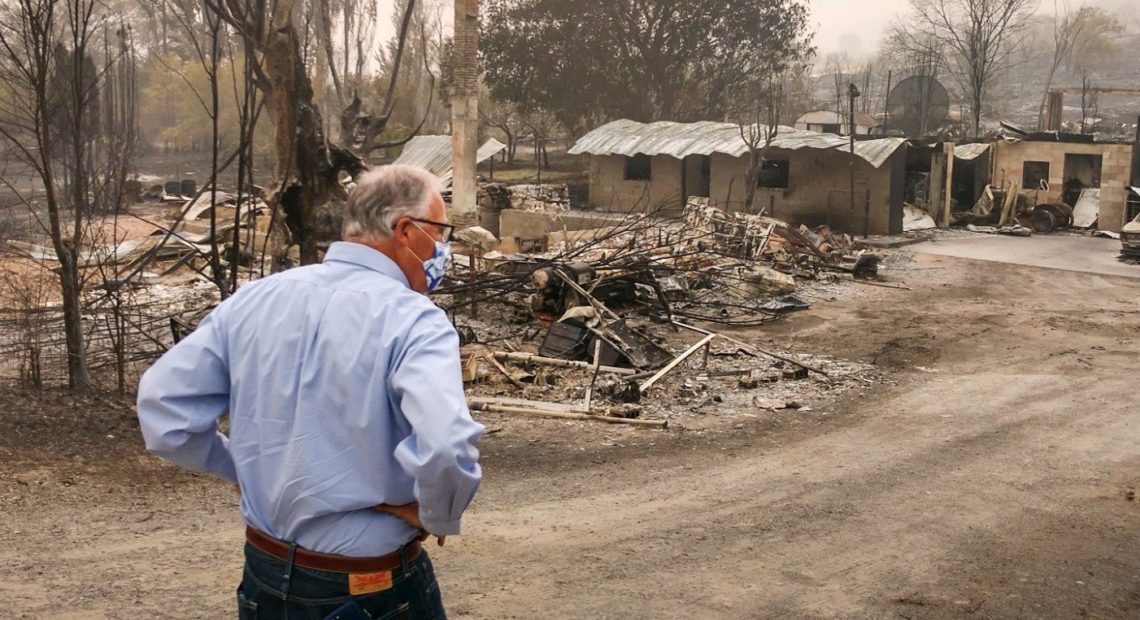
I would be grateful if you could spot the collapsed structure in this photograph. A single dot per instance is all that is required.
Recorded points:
(436, 155)
(1092, 177)
(616, 323)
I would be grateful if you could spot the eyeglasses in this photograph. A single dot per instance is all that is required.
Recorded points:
(448, 229)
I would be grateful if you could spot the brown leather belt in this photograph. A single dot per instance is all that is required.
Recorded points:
(326, 561)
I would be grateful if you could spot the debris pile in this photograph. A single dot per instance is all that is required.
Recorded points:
(144, 288)
(551, 199)
(917, 218)
(614, 324)
(539, 198)
(187, 242)
(135, 322)
(1010, 211)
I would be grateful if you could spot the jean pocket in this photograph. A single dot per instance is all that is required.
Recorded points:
(432, 600)
(247, 608)
(401, 611)
(352, 610)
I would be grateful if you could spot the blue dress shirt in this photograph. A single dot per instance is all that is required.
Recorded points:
(344, 389)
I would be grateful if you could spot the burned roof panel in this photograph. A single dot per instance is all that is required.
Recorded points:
(969, 152)
(434, 154)
(679, 140)
(877, 152)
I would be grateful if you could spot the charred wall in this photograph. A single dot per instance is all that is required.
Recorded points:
(611, 191)
(1115, 170)
(818, 190)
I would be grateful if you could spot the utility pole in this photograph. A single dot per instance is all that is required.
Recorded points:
(465, 113)
(887, 108)
(852, 93)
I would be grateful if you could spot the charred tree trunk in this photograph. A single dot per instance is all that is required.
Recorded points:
(751, 179)
(307, 167)
(78, 376)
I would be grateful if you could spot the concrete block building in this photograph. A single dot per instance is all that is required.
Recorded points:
(805, 177)
(1060, 169)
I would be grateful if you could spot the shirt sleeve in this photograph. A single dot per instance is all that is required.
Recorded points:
(180, 399)
(440, 454)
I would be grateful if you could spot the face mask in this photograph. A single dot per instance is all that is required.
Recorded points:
(436, 266)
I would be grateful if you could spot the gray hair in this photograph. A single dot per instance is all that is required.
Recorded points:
(382, 196)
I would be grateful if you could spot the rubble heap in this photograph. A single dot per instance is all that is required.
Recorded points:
(142, 290)
(616, 324)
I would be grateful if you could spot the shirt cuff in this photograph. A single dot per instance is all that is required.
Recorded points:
(221, 462)
(439, 528)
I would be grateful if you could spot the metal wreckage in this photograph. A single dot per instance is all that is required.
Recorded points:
(630, 323)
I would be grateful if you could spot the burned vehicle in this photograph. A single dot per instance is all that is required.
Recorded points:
(1130, 233)
(1130, 238)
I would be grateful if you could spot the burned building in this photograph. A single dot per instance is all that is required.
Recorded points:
(805, 177)
(1092, 177)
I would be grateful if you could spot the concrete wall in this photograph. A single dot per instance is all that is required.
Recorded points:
(1114, 173)
(523, 226)
(609, 191)
(818, 190)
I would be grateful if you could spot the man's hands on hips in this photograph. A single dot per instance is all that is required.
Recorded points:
(411, 514)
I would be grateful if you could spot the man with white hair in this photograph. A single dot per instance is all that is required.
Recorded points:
(350, 437)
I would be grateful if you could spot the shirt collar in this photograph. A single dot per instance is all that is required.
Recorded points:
(366, 257)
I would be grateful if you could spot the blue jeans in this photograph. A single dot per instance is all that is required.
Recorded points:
(270, 591)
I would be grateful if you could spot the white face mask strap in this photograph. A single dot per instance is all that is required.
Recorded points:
(421, 229)
(409, 248)
(410, 251)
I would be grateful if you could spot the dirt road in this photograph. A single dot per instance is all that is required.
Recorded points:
(996, 480)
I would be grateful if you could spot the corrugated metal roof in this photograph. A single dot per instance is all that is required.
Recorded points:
(434, 154)
(877, 152)
(970, 151)
(680, 140)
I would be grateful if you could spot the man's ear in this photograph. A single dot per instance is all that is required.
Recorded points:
(400, 231)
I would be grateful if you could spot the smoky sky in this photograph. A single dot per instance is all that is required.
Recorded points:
(840, 25)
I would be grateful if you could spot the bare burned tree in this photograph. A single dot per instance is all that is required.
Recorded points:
(204, 32)
(837, 65)
(50, 94)
(408, 53)
(980, 34)
(308, 166)
(869, 78)
(504, 116)
(1067, 29)
(1089, 104)
(327, 58)
(759, 111)
(919, 54)
(344, 60)
(211, 46)
(542, 126)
